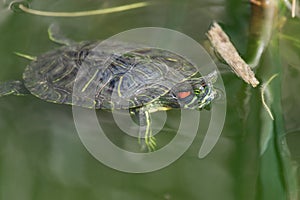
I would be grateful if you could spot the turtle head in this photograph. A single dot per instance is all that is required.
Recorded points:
(197, 93)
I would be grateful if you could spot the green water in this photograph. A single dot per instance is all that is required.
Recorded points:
(42, 157)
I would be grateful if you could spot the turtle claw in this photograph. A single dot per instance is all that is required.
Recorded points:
(146, 139)
(150, 142)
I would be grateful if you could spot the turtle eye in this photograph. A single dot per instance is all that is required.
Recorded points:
(199, 90)
(182, 95)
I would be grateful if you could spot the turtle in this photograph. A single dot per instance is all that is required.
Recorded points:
(115, 75)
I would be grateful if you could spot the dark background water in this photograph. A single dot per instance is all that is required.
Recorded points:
(42, 157)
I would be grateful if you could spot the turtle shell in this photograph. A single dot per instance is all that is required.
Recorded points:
(106, 75)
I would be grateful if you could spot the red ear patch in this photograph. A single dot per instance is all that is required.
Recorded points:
(183, 95)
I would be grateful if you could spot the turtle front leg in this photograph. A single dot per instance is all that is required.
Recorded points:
(146, 139)
(13, 87)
